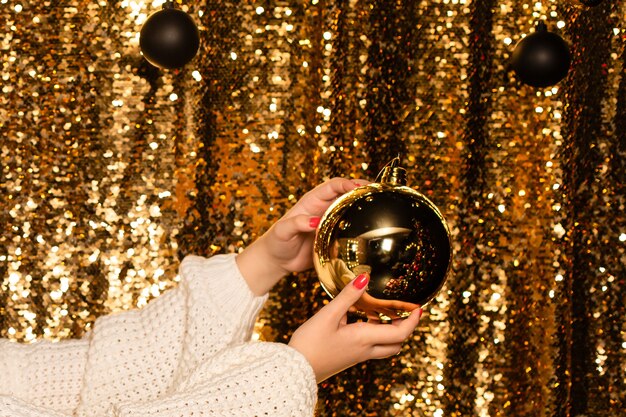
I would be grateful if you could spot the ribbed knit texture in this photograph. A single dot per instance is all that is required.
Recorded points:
(48, 374)
(187, 353)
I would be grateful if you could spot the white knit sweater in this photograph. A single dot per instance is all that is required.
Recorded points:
(187, 353)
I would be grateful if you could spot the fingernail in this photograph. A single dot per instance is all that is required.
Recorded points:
(420, 312)
(314, 221)
(361, 281)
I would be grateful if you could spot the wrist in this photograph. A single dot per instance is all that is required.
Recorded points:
(258, 267)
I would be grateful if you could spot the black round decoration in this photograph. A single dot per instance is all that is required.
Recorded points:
(169, 38)
(541, 59)
(589, 3)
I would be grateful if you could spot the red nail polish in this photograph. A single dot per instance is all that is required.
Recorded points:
(314, 221)
(420, 312)
(361, 281)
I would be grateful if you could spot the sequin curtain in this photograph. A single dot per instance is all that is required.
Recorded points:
(113, 170)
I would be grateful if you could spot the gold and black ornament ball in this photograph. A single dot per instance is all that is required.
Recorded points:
(393, 233)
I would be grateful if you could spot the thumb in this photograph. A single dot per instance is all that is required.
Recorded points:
(349, 295)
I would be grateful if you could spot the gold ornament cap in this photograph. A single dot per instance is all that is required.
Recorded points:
(392, 173)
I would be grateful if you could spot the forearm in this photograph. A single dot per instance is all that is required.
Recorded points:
(139, 355)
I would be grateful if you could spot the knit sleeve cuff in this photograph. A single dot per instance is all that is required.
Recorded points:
(216, 288)
(221, 308)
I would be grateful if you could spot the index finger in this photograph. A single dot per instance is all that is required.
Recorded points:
(316, 201)
(335, 187)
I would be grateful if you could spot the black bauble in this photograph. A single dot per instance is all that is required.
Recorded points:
(169, 38)
(541, 59)
(588, 3)
(392, 232)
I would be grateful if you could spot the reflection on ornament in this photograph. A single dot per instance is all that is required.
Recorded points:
(541, 59)
(392, 232)
(169, 38)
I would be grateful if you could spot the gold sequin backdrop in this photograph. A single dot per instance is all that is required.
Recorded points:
(113, 170)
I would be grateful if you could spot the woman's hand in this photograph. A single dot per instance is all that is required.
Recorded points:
(331, 345)
(288, 245)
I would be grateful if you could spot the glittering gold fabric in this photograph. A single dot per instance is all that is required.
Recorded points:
(113, 170)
